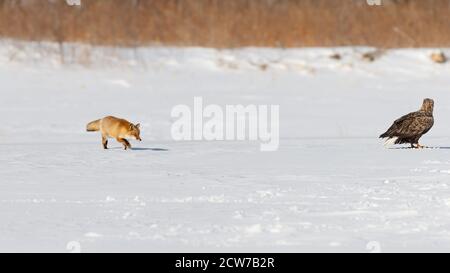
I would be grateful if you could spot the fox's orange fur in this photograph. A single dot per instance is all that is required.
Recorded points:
(112, 127)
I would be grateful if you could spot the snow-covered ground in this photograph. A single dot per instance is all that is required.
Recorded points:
(331, 186)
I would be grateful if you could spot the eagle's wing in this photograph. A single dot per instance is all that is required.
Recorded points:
(424, 124)
(410, 125)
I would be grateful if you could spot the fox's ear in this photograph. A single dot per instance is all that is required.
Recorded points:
(138, 125)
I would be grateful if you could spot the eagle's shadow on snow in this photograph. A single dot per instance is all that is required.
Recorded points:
(427, 147)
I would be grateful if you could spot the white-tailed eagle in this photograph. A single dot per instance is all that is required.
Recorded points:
(410, 127)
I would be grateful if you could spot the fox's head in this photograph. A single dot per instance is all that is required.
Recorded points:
(135, 132)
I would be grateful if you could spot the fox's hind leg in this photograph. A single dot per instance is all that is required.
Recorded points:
(105, 142)
(125, 143)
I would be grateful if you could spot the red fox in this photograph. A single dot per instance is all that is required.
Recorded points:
(112, 127)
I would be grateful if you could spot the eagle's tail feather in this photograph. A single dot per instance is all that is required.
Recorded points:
(390, 141)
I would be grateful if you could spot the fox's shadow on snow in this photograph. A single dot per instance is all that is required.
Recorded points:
(141, 149)
(150, 149)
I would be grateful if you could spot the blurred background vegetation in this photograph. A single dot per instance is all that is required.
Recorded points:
(230, 23)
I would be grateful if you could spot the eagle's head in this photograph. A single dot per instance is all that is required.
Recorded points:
(427, 105)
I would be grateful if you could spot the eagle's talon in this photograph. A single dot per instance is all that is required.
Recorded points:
(417, 146)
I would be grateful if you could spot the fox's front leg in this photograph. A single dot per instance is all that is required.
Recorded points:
(105, 142)
(125, 143)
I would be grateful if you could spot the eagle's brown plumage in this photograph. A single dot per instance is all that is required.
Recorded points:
(410, 127)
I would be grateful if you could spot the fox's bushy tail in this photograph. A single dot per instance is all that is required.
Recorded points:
(93, 126)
